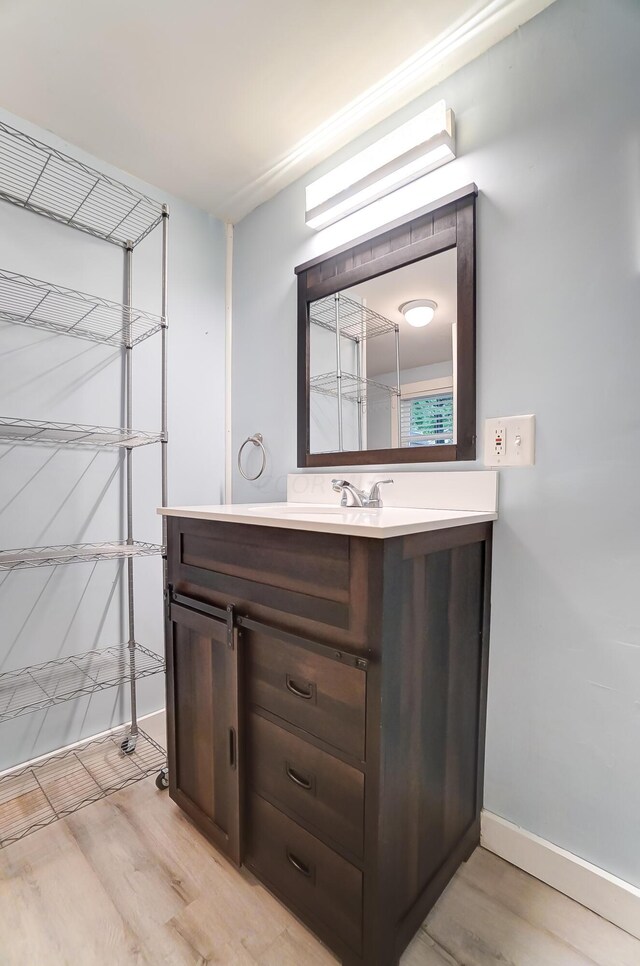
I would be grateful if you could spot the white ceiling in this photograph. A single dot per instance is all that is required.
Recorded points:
(430, 278)
(223, 102)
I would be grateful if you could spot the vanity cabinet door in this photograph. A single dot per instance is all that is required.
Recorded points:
(202, 719)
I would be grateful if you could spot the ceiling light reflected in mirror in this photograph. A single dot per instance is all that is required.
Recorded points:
(418, 312)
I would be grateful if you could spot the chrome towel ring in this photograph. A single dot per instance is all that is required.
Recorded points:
(258, 440)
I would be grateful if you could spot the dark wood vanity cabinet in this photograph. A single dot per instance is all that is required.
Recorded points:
(326, 714)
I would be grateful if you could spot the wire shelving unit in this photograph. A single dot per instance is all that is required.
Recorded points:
(39, 794)
(349, 319)
(72, 434)
(42, 305)
(29, 557)
(45, 685)
(43, 180)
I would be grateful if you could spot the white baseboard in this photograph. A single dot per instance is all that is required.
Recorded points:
(610, 897)
(152, 714)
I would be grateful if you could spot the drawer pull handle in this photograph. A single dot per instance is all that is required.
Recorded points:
(299, 692)
(298, 779)
(232, 748)
(301, 867)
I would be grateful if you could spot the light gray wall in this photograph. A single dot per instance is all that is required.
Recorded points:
(438, 370)
(549, 128)
(55, 497)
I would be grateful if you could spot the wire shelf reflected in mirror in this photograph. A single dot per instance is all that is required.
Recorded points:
(356, 321)
(353, 388)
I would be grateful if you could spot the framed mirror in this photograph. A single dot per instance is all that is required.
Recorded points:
(386, 343)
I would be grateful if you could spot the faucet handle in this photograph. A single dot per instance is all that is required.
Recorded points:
(374, 493)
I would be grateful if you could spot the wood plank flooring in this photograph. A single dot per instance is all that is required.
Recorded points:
(128, 880)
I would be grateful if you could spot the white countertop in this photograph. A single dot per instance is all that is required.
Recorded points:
(389, 521)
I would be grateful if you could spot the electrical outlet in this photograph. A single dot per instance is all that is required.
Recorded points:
(498, 440)
(510, 441)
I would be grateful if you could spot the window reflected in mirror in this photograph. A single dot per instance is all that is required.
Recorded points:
(383, 360)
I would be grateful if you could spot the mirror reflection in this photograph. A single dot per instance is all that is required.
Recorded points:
(383, 360)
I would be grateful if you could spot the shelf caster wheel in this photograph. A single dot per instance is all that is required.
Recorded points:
(162, 779)
(129, 744)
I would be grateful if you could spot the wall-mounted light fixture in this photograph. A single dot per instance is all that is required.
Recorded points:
(425, 142)
(418, 312)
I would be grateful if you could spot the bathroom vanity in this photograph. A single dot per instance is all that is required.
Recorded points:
(326, 683)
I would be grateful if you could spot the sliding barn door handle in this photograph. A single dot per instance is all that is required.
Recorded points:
(233, 750)
(308, 692)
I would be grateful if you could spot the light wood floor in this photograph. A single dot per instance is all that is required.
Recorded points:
(128, 880)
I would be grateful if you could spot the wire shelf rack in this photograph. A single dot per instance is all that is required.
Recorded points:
(42, 686)
(72, 434)
(39, 794)
(353, 387)
(29, 557)
(357, 322)
(43, 305)
(43, 180)
(48, 182)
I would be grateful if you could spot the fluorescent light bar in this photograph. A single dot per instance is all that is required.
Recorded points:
(425, 142)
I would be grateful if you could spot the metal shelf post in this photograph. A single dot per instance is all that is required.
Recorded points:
(398, 387)
(339, 371)
(128, 351)
(358, 349)
(164, 400)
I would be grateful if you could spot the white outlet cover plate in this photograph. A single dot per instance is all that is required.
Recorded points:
(519, 446)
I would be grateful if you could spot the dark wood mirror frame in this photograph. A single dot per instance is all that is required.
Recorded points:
(445, 224)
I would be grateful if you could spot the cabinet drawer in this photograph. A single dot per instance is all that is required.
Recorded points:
(319, 695)
(296, 572)
(307, 873)
(324, 792)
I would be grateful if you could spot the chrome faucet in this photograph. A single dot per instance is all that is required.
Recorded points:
(361, 498)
